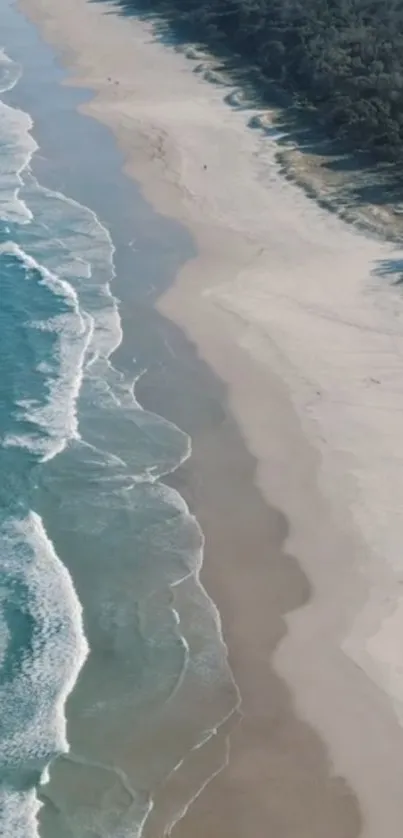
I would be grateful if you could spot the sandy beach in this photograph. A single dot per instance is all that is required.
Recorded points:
(296, 472)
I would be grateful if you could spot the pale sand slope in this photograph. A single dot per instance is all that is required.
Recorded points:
(281, 286)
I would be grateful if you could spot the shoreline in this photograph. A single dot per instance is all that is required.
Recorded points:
(237, 343)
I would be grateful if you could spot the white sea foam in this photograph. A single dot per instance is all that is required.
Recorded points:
(10, 72)
(40, 663)
(37, 583)
(18, 813)
(78, 248)
(57, 417)
(16, 146)
(80, 263)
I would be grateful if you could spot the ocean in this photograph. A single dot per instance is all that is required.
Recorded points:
(111, 650)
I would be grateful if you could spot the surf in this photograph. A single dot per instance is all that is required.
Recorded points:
(84, 511)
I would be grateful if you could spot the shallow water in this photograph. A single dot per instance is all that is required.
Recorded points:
(99, 559)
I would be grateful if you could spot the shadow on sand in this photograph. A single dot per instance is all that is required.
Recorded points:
(352, 180)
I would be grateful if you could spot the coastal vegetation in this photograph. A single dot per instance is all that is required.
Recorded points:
(343, 59)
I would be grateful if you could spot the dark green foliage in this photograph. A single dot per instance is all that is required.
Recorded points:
(345, 57)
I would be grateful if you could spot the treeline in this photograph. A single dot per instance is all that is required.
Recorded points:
(343, 57)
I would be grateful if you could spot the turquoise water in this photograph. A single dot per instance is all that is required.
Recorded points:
(93, 547)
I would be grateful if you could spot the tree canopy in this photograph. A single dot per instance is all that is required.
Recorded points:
(345, 57)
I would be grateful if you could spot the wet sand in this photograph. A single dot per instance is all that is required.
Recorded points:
(295, 473)
(279, 777)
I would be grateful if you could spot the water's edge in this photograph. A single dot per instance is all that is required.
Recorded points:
(73, 456)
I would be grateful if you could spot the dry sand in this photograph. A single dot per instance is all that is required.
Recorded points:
(299, 317)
